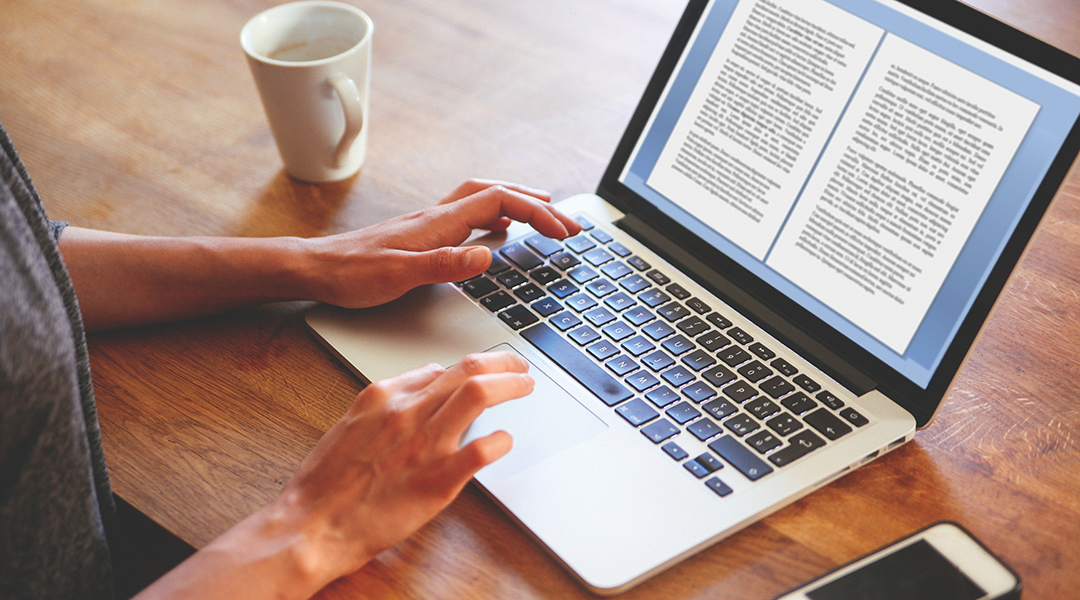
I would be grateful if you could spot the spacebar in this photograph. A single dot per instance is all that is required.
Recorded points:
(588, 373)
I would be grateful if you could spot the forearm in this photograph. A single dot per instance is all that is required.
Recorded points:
(125, 280)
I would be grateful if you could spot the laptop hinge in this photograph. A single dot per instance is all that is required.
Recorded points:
(768, 319)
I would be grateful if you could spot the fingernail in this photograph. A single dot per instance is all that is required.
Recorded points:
(476, 259)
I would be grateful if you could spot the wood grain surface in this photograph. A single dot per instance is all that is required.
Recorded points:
(140, 116)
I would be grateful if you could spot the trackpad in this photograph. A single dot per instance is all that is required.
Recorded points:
(544, 423)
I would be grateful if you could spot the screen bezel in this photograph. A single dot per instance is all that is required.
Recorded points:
(921, 402)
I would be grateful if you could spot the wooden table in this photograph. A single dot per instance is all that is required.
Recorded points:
(140, 116)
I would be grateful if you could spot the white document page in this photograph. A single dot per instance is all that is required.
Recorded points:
(900, 188)
(771, 93)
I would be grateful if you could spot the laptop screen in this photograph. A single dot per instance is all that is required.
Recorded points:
(862, 159)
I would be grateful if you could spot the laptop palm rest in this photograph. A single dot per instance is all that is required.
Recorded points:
(544, 423)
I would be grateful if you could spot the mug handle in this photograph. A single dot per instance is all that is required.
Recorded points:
(351, 104)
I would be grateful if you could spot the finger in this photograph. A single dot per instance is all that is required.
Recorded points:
(477, 454)
(476, 395)
(450, 263)
(473, 186)
(413, 380)
(484, 209)
(443, 387)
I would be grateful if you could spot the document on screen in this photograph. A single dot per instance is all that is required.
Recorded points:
(850, 160)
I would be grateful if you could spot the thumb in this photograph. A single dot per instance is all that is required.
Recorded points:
(457, 264)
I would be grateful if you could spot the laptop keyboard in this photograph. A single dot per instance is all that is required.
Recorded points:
(663, 359)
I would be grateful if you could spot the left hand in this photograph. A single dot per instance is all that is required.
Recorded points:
(377, 264)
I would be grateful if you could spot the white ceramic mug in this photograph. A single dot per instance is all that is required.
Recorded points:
(311, 62)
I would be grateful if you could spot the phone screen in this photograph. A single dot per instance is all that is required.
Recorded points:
(915, 571)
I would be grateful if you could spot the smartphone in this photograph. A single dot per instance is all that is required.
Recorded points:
(940, 562)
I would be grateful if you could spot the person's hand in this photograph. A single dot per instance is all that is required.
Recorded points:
(380, 263)
(394, 460)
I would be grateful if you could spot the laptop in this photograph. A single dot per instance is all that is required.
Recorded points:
(811, 213)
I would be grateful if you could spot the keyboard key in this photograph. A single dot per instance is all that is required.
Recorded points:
(609, 390)
(693, 326)
(619, 249)
(761, 351)
(762, 408)
(580, 302)
(528, 292)
(718, 375)
(672, 311)
(497, 301)
(661, 430)
(662, 396)
(597, 257)
(639, 315)
(616, 270)
(698, 306)
(546, 306)
(799, 446)
(585, 223)
(636, 412)
(683, 412)
(798, 403)
(658, 277)
(602, 236)
(638, 263)
(677, 376)
(565, 320)
(478, 287)
(776, 387)
(740, 336)
(740, 457)
(618, 331)
(658, 361)
(638, 345)
(511, 278)
(696, 468)
(829, 399)
(807, 384)
(677, 345)
(718, 486)
(710, 462)
(733, 356)
(720, 408)
(754, 371)
(764, 442)
(603, 349)
(580, 243)
(698, 360)
(784, 367)
(784, 424)
(699, 391)
(544, 275)
(582, 274)
(678, 291)
(599, 316)
(584, 335)
(565, 261)
(827, 424)
(619, 302)
(704, 429)
(622, 365)
(521, 256)
(642, 380)
(713, 341)
(498, 265)
(741, 425)
(562, 288)
(853, 417)
(718, 321)
(543, 245)
(740, 391)
(634, 283)
(674, 450)
(653, 298)
(518, 316)
(658, 330)
(600, 287)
